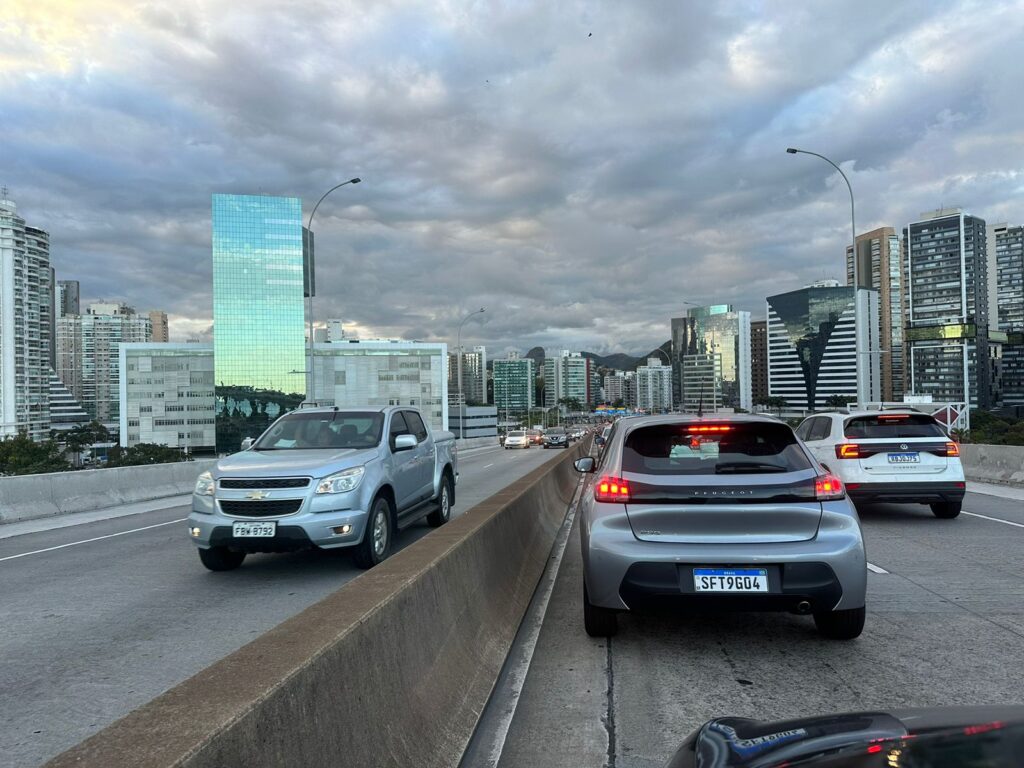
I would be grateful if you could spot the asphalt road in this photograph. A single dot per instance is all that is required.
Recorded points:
(90, 631)
(945, 626)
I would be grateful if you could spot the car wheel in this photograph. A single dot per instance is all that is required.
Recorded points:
(221, 558)
(946, 510)
(443, 513)
(599, 622)
(840, 625)
(376, 543)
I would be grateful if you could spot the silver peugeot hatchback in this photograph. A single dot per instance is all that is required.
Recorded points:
(723, 513)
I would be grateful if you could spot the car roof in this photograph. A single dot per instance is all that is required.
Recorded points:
(721, 418)
(364, 409)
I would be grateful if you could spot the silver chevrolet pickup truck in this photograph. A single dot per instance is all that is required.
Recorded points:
(327, 478)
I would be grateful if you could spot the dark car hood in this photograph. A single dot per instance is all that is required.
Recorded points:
(939, 736)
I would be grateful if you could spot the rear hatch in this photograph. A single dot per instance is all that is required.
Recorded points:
(740, 482)
(897, 445)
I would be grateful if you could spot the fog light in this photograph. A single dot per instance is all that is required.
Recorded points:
(341, 530)
(194, 531)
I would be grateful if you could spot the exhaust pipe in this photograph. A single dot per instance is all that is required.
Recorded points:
(803, 607)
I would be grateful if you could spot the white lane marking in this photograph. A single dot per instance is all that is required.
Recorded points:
(875, 569)
(487, 465)
(97, 538)
(994, 519)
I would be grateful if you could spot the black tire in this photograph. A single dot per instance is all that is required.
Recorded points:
(840, 625)
(221, 558)
(445, 499)
(599, 622)
(376, 544)
(946, 510)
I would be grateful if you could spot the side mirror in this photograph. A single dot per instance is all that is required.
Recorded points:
(586, 464)
(405, 442)
(247, 443)
(599, 440)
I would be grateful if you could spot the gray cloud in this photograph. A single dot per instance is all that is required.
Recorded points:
(578, 186)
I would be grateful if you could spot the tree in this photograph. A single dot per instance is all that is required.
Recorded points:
(571, 404)
(81, 437)
(839, 401)
(620, 403)
(21, 456)
(143, 453)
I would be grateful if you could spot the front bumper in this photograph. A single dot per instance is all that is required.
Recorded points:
(907, 493)
(209, 527)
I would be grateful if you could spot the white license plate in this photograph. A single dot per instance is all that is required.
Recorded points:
(904, 458)
(253, 530)
(730, 579)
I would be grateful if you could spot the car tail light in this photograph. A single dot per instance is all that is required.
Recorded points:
(952, 449)
(709, 428)
(847, 451)
(611, 489)
(828, 487)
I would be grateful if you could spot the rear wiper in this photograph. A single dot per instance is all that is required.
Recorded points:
(747, 466)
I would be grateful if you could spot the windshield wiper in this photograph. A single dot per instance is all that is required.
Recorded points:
(741, 467)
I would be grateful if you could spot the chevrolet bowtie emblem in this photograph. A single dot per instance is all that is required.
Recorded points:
(257, 495)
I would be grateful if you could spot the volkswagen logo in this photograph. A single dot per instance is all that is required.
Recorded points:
(256, 495)
(903, 446)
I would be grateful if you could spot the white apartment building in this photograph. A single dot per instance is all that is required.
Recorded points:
(26, 316)
(166, 396)
(654, 386)
(381, 372)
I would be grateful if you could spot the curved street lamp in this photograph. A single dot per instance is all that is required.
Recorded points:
(310, 394)
(862, 394)
(458, 363)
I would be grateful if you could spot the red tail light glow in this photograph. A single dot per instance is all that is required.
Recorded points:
(847, 451)
(611, 489)
(709, 428)
(828, 487)
(952, 449)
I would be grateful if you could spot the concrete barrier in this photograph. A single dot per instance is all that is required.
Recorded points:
(993, 463)
(393, 669)
(26, 497)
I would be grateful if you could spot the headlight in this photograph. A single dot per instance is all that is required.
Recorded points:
(204, 485)
(341, 482)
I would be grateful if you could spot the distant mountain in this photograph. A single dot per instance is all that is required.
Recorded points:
(537, 355)
(620, 361)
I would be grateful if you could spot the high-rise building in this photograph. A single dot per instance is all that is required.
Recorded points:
(381, 372)
(258, 313)
(878, 262)
(712, 358)
(166, 396)
(1008, 245)
(758, 361)
(26, 297)
(514, 379)
(620, 388)
(68, 298)
(158, 320)
(949, 352)
(568, 377)
(65, 411)
(474, 377)
(88, 360)
(654, 386)
(811, 347)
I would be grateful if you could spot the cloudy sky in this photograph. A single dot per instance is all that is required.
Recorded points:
(580, 169)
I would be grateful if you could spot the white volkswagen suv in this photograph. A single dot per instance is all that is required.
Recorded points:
(901, 456)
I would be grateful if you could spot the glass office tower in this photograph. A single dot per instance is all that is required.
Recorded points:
(258, 313)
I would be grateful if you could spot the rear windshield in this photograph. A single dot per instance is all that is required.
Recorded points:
(896, 425)
(708, 449)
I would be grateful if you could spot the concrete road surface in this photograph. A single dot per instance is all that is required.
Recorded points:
(945, 625)
(90, 631)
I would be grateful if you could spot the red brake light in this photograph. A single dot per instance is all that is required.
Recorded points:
(611, 489)
(709, 428)
(828, 487)
(847, 451)
(888, 416)
(952, 449)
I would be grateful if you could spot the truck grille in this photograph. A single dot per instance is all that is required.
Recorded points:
(264, 482)
(269, 508)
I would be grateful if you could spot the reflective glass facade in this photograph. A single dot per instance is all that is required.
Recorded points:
(1009, 253)
(258, 312)
(711, 349)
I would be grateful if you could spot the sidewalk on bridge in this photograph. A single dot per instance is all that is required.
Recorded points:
(994, 489)
(53, 522)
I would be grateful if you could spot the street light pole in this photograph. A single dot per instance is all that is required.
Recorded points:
(458, 365)
(859, 331)
(310, 394)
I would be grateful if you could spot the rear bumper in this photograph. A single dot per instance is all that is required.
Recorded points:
(789, 585)
(906, 493)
